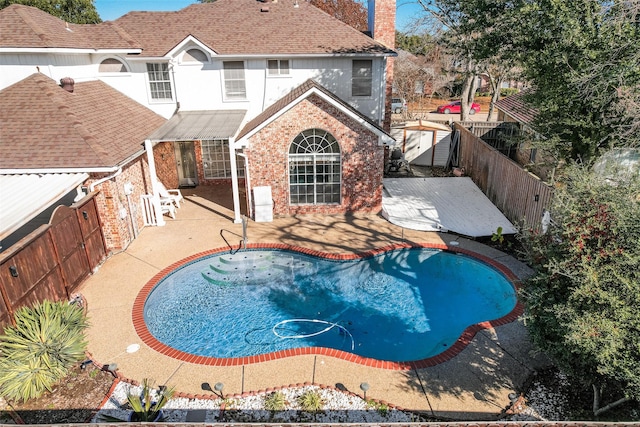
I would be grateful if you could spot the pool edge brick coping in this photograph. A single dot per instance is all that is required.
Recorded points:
(465, 338)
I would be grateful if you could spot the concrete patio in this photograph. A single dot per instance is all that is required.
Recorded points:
(474, 385)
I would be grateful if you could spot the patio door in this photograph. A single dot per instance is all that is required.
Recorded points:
(186, 163)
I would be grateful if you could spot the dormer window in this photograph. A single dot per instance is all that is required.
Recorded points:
(361, 77)
(112, 65)
(195, 55)
(278, 67)
(159, 81)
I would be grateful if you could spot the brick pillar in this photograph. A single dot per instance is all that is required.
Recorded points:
(382, 26)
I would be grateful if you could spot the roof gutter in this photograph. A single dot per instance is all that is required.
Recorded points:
(66, 50)
(275, 56)
(92, 186)
(106, 169)
(58, 170)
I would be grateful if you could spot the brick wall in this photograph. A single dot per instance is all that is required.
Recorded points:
(165, 161)
(362, 158)
(119, 230)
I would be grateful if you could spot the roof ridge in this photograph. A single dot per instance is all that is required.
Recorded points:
(59, 101)
(122, 33)
(31, 23)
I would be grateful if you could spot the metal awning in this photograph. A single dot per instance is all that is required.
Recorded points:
(200, 125)
(24, 196)
(442, 204)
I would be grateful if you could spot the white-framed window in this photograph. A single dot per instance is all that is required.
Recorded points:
(195, 55)
(159, 81)
(215, 159)
(278, 67)
(361, 77)
(314, 169)
(234, 84)
(112, 65)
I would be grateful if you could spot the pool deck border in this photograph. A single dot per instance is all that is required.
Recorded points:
(465, 338)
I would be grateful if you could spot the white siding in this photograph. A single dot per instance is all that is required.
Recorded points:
(200, 86)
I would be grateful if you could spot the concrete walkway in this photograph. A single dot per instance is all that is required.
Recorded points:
(474, 385)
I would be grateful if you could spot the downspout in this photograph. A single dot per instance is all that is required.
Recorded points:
(154, 185)
(237, 219)
(106, 178)
(247, 183)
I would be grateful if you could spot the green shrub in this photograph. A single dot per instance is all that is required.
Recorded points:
(38, 351)
(274, 401)
(310, 401)
(508, 91)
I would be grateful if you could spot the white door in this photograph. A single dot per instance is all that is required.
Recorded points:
(419, 147)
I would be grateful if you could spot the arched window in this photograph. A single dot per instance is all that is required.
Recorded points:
(195, 55)
(112, 65)
(314, 168)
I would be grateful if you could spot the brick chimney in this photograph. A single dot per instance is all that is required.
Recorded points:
(382, 26)
(382, 21)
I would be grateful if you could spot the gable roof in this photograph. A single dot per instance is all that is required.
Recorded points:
(308, 88)
(516, 107)
(42, 126)
(249, 27)
(33, 28)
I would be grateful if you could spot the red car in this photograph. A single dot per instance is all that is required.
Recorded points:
(454, 108)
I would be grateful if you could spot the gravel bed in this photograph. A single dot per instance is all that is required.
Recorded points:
(338, 407)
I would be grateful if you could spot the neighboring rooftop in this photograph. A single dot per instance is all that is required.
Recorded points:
(516, 106)
(44, 126)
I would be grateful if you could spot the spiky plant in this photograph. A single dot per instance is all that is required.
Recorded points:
(311, 401)
(275, 401)
(37, 352)
(147, 407)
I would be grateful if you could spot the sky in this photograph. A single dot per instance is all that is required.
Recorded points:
(113, 9)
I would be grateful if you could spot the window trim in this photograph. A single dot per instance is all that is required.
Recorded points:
(153, 100)
(316, 156)
(225, 161)
(114, 73)
(225, 95)
(278, 70)
(366, 79)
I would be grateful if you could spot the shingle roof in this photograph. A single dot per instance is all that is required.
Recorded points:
(290, 97)
(243, 27)
(516, 107)
(29, 27)
(44, 126)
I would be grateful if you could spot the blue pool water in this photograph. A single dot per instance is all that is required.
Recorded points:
(402, 305)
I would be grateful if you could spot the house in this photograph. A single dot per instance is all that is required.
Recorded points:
(55, 140)
(271, 94)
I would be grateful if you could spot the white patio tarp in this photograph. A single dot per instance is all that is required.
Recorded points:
(442, 204)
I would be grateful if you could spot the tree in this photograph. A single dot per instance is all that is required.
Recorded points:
(473, 33)
(582, 303)
(73, 11)
(351, 12)
(581, 58)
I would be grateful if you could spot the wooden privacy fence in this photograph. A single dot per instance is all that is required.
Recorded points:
(54, 260)
(521, 196)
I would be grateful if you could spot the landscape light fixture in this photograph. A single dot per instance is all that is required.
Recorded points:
(364, 387)
(218, 388)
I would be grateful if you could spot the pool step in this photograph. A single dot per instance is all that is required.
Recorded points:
(232, 269)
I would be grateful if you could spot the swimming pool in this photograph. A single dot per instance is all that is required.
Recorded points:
(401, 305)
